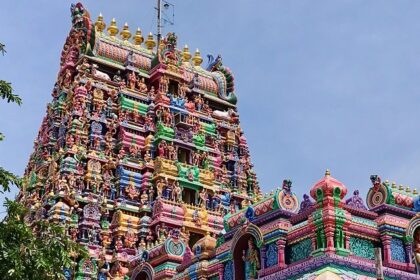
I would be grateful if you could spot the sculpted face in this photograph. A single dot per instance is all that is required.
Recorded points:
(77, 12)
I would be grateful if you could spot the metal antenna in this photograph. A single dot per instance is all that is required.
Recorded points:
(166, 18)
(159, 23)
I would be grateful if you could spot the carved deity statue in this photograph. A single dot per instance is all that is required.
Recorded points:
(141, 84)
(159, 188)
(144, 198)
(203, 197)
(131, 191)
(416, 249)
(252, 261)
(177, 191)
(131, 80)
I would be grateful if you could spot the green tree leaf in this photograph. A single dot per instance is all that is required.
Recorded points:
(30, 248)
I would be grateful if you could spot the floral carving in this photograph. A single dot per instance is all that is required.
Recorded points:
(397, 250)
(228, 271)
(300, 250)
(362, 248)
(272, 255)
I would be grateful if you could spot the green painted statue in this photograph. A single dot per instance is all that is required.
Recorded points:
(252, 261)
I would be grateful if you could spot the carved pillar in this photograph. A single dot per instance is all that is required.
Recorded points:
(409, 251)
(263, 256)
(220, 271)
(313, 239)
(347, 239)
(329, 235)
(411, 264)
(281, 245)
(386, 243)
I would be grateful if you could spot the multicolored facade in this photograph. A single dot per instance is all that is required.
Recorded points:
(142, 159)
(326, 237)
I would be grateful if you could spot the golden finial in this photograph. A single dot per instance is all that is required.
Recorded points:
(100, 24)
(394, 185)
(113, 29)
(327, 172)
(125, 32)
(186, 56)
(197, 60)
(150, 43)
(407, 189)
(138, 38)
(414, 191)
(401, 187)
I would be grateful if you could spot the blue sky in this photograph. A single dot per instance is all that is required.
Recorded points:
(321, 84)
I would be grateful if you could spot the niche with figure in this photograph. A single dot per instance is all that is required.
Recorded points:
(416, 248)
(246, 258)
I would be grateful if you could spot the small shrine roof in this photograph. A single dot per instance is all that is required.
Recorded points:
(328, 184)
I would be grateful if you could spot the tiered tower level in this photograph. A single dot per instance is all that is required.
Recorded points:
(140, 154)
(141, 158)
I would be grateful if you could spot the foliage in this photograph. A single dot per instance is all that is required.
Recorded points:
(7, 178)
(6, 92)
(30, 249)
(36, 250)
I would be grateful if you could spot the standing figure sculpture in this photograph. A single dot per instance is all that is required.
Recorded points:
(252, 261)
(176, 192)
(416, 250)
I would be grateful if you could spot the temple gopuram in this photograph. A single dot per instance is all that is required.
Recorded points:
(142, 159)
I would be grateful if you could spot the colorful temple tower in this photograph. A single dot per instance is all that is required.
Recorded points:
(140, 154)
(142, 159)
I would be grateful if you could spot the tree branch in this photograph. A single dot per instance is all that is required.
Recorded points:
(6, 92)
(7, 179)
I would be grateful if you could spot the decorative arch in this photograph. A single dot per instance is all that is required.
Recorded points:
(412, 226)
(143, 271)
(413, 237)
(240, 244)
(250, 229)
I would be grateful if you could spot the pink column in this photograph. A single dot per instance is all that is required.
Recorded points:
(220, 270)
(386, 242)
(313, 239)
(329, 228)
(281, 244)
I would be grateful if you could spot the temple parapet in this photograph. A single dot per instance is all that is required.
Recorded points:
(281, 244)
